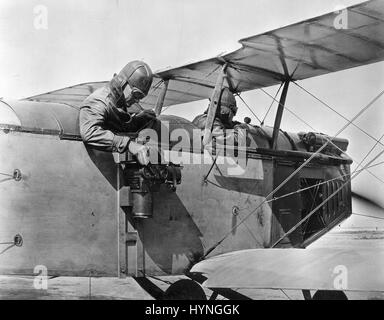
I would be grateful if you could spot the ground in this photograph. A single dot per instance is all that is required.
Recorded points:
(22, 287)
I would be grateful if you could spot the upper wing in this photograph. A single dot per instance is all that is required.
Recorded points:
(299, 51)
(296, 269)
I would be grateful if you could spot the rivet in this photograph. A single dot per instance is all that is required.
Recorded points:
(18, 240)
(17, 174)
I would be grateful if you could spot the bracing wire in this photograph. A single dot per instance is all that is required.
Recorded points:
(310, 214)
(369, 152)
(335, 111)
(249, 108)
(266, 114)
(329, 140)
(295, 172)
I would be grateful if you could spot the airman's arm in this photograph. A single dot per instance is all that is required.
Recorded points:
(93, 132)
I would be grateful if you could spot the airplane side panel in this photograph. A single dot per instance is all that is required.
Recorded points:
(209, 203)
(317, 183)
(238, 195)
(63, 207)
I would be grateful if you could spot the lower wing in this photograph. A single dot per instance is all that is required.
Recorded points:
(359, 268)
(296, 269)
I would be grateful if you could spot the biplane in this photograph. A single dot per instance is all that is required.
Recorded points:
(80, 211)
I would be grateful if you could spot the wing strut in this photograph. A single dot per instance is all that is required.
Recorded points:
(161, 97)
(215, 98)
(279, 114)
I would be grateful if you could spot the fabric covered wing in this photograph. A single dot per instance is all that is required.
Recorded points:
(296, 269)
(311, 268)
(303, 50)
(73, 95)
(299, 51)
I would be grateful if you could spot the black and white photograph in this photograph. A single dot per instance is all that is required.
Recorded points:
(207, 151)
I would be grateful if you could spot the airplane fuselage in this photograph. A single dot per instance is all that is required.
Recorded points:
(74, 206)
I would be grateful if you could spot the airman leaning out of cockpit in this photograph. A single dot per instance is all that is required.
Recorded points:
(105, 115)
(224, 128)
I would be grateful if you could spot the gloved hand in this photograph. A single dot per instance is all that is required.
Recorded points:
(140, 151)
(144, 118)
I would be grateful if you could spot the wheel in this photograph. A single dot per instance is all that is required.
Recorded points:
(185, 289)
(329, 295)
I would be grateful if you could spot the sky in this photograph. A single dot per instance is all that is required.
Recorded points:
(90, 40)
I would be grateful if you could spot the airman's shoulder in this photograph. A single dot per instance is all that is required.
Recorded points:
(99, 94)
(100, 97)
(200, 120)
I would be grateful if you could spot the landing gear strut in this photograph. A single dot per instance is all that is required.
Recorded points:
(185, 290)
(325, 295)
(329, 295)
